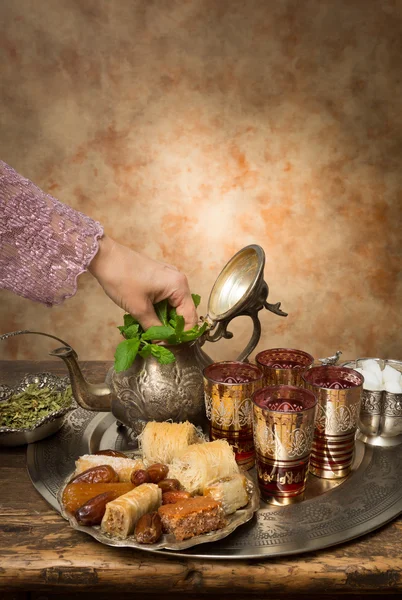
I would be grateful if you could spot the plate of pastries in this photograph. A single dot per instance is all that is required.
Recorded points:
(177, 491)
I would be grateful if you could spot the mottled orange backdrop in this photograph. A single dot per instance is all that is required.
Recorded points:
(191, 128)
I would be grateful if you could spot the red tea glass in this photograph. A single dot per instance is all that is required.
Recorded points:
(283, 366)
(228, 388)
(339, 394)
(283, 420)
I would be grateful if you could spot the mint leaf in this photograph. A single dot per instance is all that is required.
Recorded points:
(158, 333)
(196, 299)
(163, 355)
(194, 333)
(172, 316)
(125, 354)
(131, 332)
(145, 351)
(179, 327)
(129, 320)
(172, 330)
(161, 309)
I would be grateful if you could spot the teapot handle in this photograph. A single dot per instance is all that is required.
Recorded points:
(5, 336)
(221, 332)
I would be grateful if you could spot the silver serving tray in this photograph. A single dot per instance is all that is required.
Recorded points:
(332, 512)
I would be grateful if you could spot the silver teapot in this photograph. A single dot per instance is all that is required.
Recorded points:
(149, 391)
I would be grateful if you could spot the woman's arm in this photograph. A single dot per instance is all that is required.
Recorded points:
(45, 245)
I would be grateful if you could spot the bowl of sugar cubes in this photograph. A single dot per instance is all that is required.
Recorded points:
(380, 420)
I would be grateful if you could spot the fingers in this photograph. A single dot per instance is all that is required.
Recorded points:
(181, 300)
(147, 317)
(188, 311)
(135, 282)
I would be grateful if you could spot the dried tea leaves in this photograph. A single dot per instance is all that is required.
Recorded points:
(26, 409)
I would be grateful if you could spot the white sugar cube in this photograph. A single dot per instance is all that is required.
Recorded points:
(394, 387)
(374, 369)
(390, 374)
(372, 387)
(371, 382)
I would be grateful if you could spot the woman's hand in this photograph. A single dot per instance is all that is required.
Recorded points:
(135, 282)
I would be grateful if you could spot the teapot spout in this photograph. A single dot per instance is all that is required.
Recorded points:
(91, 396)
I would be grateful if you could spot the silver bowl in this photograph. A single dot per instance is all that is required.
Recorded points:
(49, 424)
(380, 420)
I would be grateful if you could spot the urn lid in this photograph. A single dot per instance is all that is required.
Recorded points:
(240, 287)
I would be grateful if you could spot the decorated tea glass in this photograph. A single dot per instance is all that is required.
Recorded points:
(339, 393)
(283, 366)
(283, 419)
(228, 388)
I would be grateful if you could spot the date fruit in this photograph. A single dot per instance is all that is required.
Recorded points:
(157, 472)
(140, 476)
(91, 513)
(169, 485)
(174, 496)
(77, 494)
(110, 453)
(148, 529)
(100, 474)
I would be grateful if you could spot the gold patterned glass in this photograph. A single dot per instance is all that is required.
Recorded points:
(228, 388)
(283, 420)
(283, 366)
(339, 394)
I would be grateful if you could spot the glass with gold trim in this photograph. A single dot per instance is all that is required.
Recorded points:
(339, 394)
(228, 388)
(283, 422)
(283, 366)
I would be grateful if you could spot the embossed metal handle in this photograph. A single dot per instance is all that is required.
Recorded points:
(6, 336)
(221, 332)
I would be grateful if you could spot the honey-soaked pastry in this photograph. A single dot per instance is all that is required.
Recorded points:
(77, 494)
(202, 464)
(195, 516)
(122, 514)
(123, 466)
(162, 442)
(230, 492)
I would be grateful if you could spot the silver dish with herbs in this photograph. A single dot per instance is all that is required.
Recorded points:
(34, 408)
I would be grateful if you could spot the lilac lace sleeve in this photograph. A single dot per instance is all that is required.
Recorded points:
(44, 244)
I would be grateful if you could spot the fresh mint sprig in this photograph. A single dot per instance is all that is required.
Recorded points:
(138, 341)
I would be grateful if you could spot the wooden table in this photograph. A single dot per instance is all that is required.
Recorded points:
(41, 557)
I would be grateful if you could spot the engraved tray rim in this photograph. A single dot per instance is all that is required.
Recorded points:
(346, 512)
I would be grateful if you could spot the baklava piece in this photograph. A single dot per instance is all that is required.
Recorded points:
(191, 517)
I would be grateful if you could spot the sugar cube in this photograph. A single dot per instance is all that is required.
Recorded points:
(373, 368)
(390, 374)
(394, 387)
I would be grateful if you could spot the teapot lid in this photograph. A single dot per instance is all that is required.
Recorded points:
(237, 284)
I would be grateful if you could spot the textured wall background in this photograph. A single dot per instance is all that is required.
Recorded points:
(191, 128)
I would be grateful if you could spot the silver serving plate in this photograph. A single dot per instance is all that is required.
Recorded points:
(49, 424)
(334, 511)
(168, 541)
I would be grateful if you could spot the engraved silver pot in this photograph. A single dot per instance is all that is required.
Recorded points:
(149, 391)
